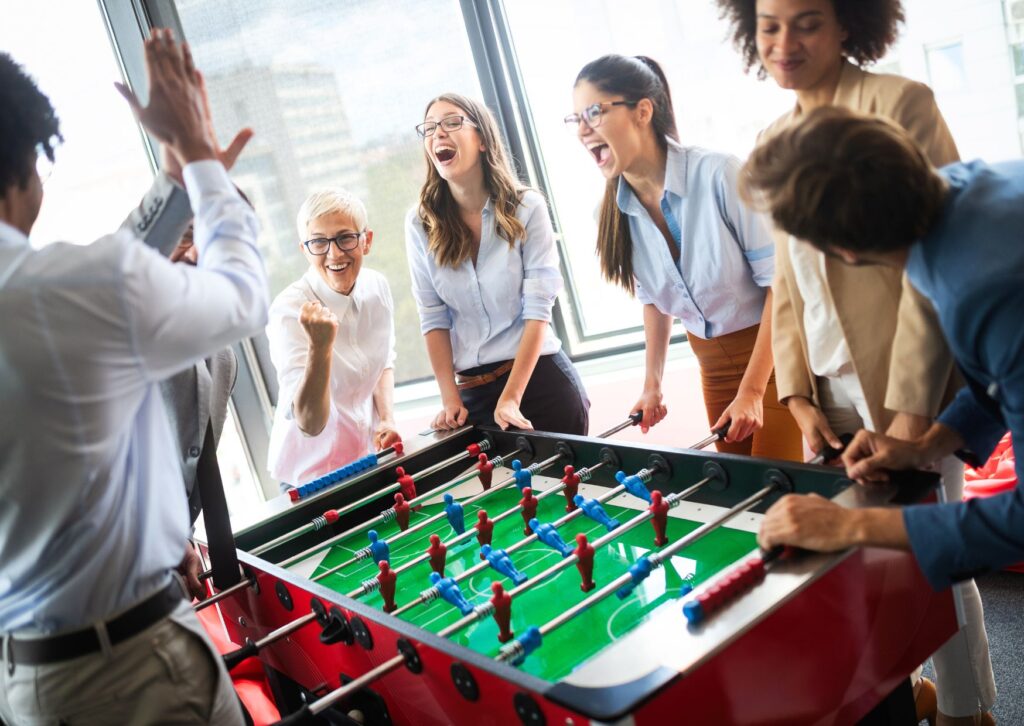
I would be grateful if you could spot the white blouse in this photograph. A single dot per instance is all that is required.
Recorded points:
(485, 306)
(363, 349)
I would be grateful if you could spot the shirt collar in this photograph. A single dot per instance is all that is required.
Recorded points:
(11, 236)
(675, 179)
(337, 302)
(848, 90)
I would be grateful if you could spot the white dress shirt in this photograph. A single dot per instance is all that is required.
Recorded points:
(93, 516)
(726, 252)
(827, 351)
(364, 348)
(486, 306)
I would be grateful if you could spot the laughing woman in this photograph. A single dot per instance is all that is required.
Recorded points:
(673, 232)
(485, 276)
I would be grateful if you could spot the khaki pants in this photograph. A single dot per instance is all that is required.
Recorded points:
(723, 361)
(168, 674)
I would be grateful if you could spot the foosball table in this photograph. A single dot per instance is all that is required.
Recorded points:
(495, 577)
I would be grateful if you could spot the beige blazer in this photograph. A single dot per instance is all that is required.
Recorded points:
(898, 349)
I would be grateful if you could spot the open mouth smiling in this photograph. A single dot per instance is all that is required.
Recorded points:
(600, 151)
(444, 154)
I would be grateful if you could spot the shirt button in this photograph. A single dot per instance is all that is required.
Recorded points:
(193, 451)
(992, 390)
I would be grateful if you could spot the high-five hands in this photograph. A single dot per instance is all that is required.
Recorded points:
(177, 113)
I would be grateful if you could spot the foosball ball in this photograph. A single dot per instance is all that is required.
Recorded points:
(495, 577)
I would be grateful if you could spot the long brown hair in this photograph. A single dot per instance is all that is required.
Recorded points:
(635, 78)
(448, 238)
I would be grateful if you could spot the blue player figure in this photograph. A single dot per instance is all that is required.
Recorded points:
(379, 549)
(634, 485)
(501, 562)
(523, 477)
(455, 515)
(547, 534)
(450, 592)
(593, 509)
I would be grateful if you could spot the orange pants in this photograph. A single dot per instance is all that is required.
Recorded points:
(723, 361)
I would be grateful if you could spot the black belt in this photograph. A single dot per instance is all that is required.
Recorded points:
(39, 651)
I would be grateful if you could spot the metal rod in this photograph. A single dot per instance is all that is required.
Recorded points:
(223, 594)
(633, 420)
(367, 678)
(656, 560)
(566, 562)
(380, 518)
(284, 630)
(440, 515)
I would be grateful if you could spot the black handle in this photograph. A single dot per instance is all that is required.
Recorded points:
(722, 430)
(636, 417)
(235, 657)
(831, 452)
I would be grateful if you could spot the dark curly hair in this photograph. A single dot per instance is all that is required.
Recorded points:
(27, 120)
(871, 27)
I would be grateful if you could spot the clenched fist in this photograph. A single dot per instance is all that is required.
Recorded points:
(320, 324)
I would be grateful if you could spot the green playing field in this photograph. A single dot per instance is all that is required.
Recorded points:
(570, 645)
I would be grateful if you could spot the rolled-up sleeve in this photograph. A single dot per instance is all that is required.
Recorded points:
(750, 229)
(542, 278)
(434, 313)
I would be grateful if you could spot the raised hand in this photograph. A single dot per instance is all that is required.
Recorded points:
(175, 114)
(320, 324)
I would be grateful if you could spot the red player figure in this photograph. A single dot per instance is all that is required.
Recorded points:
(485, 469)
(502, 603)
(438, 553)
(408, 485)
(528, 506)
(571, 480)
(484, 529)
(585, 561)
(659, 517)
(401, 511)
(386, 577)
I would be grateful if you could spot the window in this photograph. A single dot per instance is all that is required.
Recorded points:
(716, 105)
(333, 91)
(102, 168)
(946, 68)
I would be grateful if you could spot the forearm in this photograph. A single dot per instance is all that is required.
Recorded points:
(384, 396)
(439, 350)
(939, 441)
(526, 359)
(877, 527)
(312, 404)
(759, 367)
(657, 332)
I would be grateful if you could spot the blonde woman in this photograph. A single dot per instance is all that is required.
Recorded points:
(485, 276)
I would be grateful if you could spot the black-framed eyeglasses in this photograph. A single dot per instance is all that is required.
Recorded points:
(448, 123)
(346, 242)
(592, 114)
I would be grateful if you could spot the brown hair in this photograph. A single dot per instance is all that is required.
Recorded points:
(635, 78)
(448, 238)
(870, 25)
(840, 179)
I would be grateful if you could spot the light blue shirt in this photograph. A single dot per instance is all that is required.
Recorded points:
(726, 251)
(486, 306)
(93, 514)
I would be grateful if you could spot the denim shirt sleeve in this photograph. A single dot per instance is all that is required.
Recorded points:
(750, 228)
(434, 313)
(542, 279)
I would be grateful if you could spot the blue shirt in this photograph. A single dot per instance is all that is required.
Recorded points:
(486, 306)
(93, 515)
(971, 266)
(726, 251)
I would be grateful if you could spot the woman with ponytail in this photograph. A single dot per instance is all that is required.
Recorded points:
(485, 276)
(673, 232)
